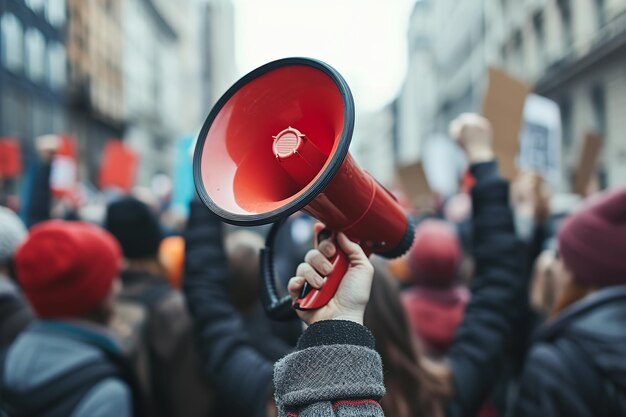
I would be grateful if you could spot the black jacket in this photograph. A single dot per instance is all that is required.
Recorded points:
(485, 339)
(577, 365)
(240, 371)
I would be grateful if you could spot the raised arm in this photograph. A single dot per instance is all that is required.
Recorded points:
(484, 338)
(241, 377)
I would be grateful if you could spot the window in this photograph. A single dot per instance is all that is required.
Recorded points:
(57, 71)
(35, 5)
(517, 42)
(35, 54)
(565, 11)
(566, 122)
(517, 47)
(540, 34)
(55, 12)
(600, 13)
(12, 39)
(598, 101)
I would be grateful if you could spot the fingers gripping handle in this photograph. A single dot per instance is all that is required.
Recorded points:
(311, 298)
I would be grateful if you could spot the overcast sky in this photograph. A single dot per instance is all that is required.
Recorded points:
(364, 39)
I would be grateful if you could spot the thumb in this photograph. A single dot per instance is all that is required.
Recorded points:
(353, 250)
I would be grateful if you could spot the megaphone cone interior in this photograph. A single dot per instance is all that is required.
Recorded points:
(274, 141)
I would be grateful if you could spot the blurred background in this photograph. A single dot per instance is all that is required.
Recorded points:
(127, 84)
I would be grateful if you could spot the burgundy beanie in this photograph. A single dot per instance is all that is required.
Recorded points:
(435, 255)
(67, 268)
(592, 241)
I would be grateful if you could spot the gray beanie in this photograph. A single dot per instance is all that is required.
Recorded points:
(12, 234)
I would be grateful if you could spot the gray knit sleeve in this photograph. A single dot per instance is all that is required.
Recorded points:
(339, 378)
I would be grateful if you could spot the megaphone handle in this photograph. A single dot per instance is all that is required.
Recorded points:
(311, 298)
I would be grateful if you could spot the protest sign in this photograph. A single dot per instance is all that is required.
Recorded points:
(587, 162)
(540, 139)
(119, 166)
(63, 175)
(503, 106)
(183, 175)
(10, 158)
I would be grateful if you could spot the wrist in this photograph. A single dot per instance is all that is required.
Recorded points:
(479, 155)
(336, 332)
(356, 317)
(353, 317)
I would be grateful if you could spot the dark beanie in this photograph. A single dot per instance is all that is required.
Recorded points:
(592, 241)
(135, 227)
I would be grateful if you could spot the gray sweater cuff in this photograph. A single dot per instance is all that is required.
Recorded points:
(336, 332)
(328, 373)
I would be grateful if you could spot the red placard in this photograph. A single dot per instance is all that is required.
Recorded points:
(119, 165)
(10, 158)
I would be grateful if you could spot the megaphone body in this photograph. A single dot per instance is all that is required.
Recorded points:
(277, 142)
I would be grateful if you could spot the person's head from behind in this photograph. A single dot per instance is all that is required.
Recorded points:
(592, 248)
(136, 228)
(435, 256)
(69, 270)
(12, 234)
(242, 251)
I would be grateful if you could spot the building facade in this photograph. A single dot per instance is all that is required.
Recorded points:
(570, 51)
(33, 68)
(150, 68)
(218, 50)
(574, 52)
(95, 89)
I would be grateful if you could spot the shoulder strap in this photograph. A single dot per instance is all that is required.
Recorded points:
(128, 375)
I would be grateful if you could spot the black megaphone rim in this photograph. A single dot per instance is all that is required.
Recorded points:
(313, 190)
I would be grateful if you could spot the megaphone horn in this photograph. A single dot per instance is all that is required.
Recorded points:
(277, 142)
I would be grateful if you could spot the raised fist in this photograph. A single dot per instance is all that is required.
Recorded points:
(472, 133)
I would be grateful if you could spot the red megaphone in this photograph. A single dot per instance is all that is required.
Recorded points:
(277, 142)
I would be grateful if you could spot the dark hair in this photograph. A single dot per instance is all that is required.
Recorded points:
(412, 390)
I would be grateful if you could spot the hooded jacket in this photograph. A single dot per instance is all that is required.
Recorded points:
(577, 365)
(48, 351)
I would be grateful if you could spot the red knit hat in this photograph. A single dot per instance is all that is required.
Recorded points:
(435, 255)
(592, 241)
(67, 268)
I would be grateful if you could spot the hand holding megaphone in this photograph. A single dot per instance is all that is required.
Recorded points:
(355, 283)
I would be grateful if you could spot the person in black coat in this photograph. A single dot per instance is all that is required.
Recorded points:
(576, 365)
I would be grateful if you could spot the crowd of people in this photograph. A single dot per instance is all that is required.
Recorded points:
(510, 302)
